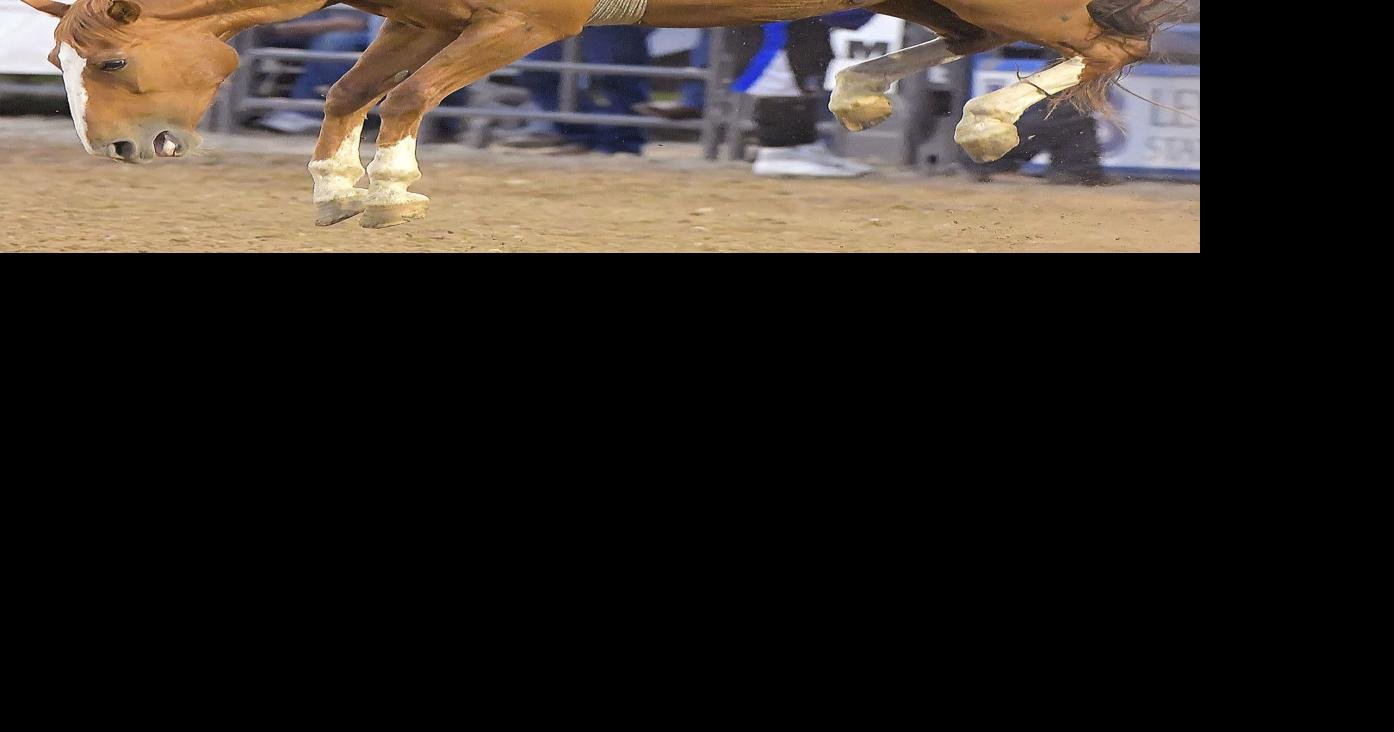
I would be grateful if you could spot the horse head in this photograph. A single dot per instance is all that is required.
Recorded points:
(138, 80)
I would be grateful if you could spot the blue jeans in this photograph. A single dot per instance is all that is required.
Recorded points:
(616, 44)
(694, 92)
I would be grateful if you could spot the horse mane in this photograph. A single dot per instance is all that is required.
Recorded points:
(51, 7)
(84, 20)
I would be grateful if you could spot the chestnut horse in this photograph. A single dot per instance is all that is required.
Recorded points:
(140, 74)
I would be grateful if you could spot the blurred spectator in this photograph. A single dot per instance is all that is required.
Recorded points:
(605, 94)
(340, 29)
(788, 63)
(693, 96)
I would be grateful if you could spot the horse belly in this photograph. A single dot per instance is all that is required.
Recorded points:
(449, 15)
(713, 13)
(1038, 20)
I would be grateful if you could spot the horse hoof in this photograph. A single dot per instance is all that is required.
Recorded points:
(986, 139)
(862, 112)
(382, 217)
(340, 209)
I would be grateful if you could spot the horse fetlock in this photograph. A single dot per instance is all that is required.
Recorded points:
(851, 81)
(395, 163)
(335, 176)
(333, 179)
(394, 176)
(394, 168)
(340, 165)
(988, 108)
(335, 197)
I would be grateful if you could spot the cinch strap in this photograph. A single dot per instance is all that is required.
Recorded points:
(618, 12)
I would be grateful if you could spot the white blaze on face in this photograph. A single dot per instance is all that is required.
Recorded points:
(73, 66)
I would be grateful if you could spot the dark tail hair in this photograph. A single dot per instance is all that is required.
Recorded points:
(1134, 21)
(1139, 18)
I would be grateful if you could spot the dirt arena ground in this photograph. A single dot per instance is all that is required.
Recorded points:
(250, 193)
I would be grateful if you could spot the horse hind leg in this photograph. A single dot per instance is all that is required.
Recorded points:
(859, 97)
(988, 129)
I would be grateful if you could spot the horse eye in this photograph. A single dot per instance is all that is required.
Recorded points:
(113, 65)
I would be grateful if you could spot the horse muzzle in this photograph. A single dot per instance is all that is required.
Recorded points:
(165, 144)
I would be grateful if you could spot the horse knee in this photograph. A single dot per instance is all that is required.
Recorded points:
(405, 102)
(347, 98)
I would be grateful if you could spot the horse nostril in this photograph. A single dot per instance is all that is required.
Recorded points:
(124, 149)
(168, 146)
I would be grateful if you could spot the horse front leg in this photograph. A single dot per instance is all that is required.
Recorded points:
(859, 96)
(336, 167)
(491, 41)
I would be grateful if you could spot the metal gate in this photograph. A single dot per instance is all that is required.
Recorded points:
(237, 102)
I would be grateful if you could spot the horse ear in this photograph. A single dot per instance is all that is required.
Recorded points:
(56, 9)
(124, 12)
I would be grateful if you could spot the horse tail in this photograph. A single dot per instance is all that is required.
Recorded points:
(1130, 25)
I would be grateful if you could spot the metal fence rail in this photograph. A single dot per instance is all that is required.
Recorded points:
(33, 90)
(237, 102)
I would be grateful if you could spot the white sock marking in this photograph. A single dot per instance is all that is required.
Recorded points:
(73, 66)
(988, 129)
(335, 177)
(1009, 103)
(393, 169)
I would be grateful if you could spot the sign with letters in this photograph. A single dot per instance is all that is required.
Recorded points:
(880, 36)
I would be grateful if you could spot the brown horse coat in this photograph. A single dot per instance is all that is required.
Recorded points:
(141, 73)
